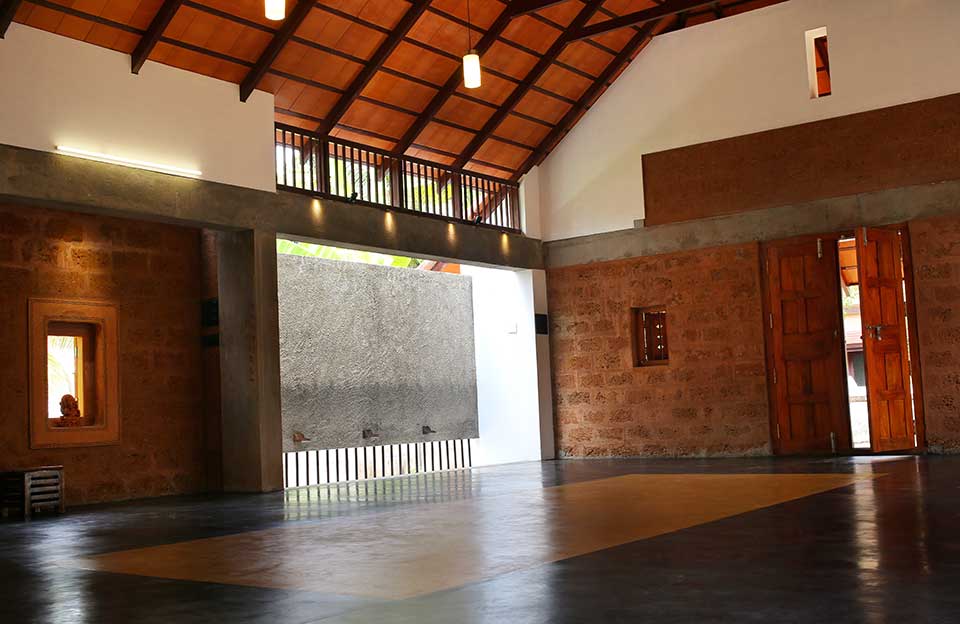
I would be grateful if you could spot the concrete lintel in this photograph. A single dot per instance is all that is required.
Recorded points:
(823, 216)
(67, 183)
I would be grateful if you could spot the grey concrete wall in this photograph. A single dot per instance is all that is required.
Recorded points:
(823, 216)
(380, 348)
(249, 363)
(66, 183)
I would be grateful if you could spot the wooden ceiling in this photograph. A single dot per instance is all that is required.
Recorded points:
(387, 72)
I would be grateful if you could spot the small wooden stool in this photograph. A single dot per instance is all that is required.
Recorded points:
(32, 490)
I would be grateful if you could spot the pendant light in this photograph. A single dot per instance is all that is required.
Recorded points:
(471, 60)
(275, 9)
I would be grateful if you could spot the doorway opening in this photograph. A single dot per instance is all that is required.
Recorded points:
(841, 343)
(853, 345)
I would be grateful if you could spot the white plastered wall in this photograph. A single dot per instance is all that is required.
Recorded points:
(736, 76)
(515, 422)
(59, 91)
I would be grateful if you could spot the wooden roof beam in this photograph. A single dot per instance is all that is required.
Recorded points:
(638, 18)
(589, 96)
(450, 86)
(8, 8)
(373, 65)
(272, 51)
(525, 7)
(583, 16)
(153, 34)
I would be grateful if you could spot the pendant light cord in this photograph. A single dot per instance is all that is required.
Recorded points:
(469, 29)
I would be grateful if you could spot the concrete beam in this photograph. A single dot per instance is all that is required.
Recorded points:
(820, 217)
(250, 361)
(67, 183)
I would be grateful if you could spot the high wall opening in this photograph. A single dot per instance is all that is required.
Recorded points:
(393, 365)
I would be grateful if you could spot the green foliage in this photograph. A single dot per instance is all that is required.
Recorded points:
(328, 252)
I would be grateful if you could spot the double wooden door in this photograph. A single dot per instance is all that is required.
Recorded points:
(805, 344)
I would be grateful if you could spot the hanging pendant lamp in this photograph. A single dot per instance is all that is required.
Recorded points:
(471, 60)
(275, 9)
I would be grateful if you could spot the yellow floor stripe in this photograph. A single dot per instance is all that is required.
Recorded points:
(413, 550)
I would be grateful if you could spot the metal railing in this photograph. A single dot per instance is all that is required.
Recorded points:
(303, 468)
(358, 173)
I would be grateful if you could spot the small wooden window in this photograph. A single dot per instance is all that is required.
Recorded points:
(73, 374)
(818, 63)
(649, 333)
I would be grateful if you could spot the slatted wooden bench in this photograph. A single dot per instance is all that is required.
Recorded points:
(31, 490)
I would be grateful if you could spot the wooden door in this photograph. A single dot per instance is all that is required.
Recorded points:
(883, 314)
(805, 347)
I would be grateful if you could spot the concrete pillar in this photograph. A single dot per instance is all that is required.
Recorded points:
(548, 443)
(250, 361)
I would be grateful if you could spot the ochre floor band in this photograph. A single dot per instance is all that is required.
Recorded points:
(423, 548)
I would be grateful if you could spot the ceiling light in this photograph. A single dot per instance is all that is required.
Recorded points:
(275, 10)
(128, 162)
(471, 60)
(471, 70)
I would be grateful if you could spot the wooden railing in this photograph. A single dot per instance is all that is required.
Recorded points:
(358, 173)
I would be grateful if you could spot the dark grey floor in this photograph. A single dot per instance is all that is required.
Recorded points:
(887, 553)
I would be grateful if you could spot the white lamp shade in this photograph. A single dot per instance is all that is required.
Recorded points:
(275, 9)
(471, 70)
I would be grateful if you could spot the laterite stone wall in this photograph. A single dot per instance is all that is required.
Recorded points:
(711, 400)
(153, 273)
(936, 258)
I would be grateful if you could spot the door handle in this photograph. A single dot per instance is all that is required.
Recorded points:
(876, 331)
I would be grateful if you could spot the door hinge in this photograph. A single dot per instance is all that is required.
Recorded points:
(865, 241)
(778, 430)
(774, 375)
(820, 248)
(771, 320)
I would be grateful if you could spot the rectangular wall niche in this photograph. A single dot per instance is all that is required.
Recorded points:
(373, 355)
(74, 379)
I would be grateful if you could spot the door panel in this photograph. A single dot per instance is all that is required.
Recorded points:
(805, 348)
(883, 314)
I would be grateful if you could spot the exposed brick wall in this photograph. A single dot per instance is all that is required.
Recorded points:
(710, 400)
(829, 158)
(152, 272)
(935, 244)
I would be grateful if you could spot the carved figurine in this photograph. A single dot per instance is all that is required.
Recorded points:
(70, 412)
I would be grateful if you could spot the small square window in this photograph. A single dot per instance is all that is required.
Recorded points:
(74, 398)
(649, 334)
(71, 374)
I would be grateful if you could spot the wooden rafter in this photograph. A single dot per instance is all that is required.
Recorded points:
(440, 98)
(525, 7)
(374, 64)
(8, 8)
(153, 34)
(638, 18)
(583, 16)
(270, 53)
(450, 86)
(589, 96)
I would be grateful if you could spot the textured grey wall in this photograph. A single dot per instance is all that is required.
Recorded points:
(371, 347)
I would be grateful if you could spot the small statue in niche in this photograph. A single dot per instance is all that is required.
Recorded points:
(70, 412)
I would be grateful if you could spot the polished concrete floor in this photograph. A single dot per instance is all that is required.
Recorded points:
(870, 540)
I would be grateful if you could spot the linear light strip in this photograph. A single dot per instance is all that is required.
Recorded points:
(128, 162)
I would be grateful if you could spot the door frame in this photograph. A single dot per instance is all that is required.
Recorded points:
(912, 332)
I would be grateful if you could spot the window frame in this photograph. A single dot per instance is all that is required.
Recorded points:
(638, 337)
(105, 430)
